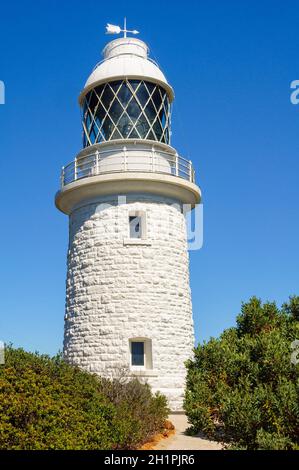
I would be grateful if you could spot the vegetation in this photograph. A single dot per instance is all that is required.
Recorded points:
(243, 388)
(48, 404)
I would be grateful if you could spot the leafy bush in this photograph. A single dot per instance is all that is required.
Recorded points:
(48, 404)
(138, 414)
(242, 388)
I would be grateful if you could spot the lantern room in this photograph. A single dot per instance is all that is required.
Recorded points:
(126, 97)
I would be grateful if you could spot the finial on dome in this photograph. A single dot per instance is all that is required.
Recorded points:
(114, 29)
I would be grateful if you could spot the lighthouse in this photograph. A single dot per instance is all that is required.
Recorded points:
(128, 298)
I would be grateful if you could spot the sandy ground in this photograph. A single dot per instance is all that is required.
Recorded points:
(179, 441)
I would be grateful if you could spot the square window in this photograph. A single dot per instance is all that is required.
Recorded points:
(137, 353)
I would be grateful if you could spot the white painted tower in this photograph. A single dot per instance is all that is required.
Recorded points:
(128, 299)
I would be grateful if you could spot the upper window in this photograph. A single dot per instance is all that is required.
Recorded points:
(126, 109)
(135, 226)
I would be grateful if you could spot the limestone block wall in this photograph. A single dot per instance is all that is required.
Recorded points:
(120, 288)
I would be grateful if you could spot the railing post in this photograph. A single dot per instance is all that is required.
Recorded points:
(75, 170)
(190, 171)
(97, 162)
(176, 164)
(62, 177)
(125, 159)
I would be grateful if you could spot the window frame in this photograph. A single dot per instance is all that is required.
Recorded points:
(132, 228)
(147, 354)
(142, 221)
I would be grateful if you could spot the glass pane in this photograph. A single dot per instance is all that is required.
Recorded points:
(115, 85)
(133, 109)
(107, 128)
(91, 100)
(92, 134)
(135, 226)
(157, 130)
(133, 134)
(98, 93)
(151, 136)
(134, 83)
(165, 138)
(116, 135)
(166, 105)
(163, 118)
(115, 111)
(87, 120)
(106, 97)
(142, 94)
(100, 112)
(150, 86)
(150, 111)
(142, 126)
(124, 94)
(125, 126)
(156, 97)
(137, 348)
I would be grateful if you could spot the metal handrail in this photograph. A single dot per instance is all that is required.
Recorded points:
(119, 160)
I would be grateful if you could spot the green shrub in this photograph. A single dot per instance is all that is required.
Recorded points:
(138, 414)
(242, 388)
(48, 404)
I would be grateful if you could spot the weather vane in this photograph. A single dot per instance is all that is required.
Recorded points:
(113, 29)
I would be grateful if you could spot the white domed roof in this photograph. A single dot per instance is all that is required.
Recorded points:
(126, 58)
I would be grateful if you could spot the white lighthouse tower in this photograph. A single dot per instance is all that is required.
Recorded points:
(128, 299)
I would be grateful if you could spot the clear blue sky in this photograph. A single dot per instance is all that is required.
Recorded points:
(231, 64)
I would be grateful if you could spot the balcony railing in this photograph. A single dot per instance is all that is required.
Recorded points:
(122, 159)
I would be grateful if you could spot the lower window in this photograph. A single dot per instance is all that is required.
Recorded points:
(137, 353)
(141, 353)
